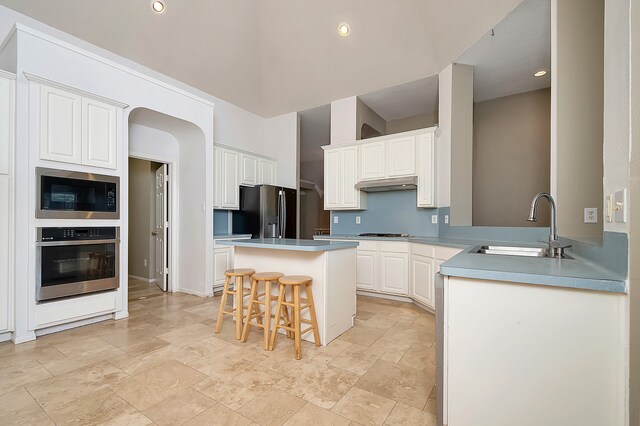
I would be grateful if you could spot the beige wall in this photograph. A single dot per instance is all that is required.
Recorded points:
(577, 103)
(364, 114)
(139, 217)
(511, 137)
(415, 122)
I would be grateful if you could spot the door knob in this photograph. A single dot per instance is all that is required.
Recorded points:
(154, 233)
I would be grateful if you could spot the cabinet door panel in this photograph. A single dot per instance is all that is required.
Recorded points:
(366, 262)
(60, 125)
(248, 170)
(401, 153)
(217, 178)
(426, 171)
(349, 177)
(99, 134)
(372, 160)
(267, 172)
(4, 253)
(221, 262)
(332, 187)
(394, 273)
(6, 123)
(230, 190)
(422, 279)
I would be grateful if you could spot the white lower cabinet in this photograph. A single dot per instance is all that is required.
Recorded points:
(394, 272)
(366, 264)
(422, 280)
(222, 260)
(5, 301)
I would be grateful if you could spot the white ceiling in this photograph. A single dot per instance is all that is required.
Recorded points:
(315, 131)
(504, 64)
(276, 56)
(405, 100)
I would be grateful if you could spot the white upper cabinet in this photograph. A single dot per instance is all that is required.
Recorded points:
(401, 154)
(7, 121)
(99, 139)
(230, 188)
(60, 125)
(426, 171)
(217, 178)
(77, 129)
(248, 170)
(373, 161)
(340, 177)
(267, 171)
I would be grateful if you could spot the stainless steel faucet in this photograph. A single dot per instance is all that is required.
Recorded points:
(556, 249)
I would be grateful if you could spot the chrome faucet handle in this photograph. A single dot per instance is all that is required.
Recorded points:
(556, 248)
(556, 244)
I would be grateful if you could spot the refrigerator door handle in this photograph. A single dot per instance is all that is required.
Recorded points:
(283, 231)
(280, 213)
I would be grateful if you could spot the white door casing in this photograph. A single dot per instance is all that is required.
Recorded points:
(160, 230)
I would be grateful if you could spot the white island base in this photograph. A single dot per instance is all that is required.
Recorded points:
(334, 280)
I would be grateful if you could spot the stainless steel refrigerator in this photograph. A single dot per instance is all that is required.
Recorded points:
(266, 211)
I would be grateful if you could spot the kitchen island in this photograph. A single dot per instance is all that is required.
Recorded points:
(331, 264)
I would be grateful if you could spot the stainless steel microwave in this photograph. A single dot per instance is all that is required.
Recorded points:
(64, 194)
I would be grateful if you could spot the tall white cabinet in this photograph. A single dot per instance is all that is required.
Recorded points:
(76, 128)
(7, 138)
(340, 177)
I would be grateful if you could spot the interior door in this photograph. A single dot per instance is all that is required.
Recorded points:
(160, 230)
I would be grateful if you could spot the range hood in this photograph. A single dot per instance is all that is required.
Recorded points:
(389, 184)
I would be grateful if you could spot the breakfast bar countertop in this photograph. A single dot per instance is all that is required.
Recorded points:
(290, 244)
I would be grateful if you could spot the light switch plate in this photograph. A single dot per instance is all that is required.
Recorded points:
(608, 209)
(620, 206)
(357, 220)
(335, 219)
(591, 215)
(434, 218)
(446, 218)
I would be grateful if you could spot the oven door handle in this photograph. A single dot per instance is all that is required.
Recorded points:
(75, 243)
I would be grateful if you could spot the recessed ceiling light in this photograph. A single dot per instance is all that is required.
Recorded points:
(540, 73)
(157, 6)
(344, 29)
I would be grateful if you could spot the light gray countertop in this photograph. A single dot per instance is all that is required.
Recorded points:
(290, 244)
(578, 273)
(230, 236)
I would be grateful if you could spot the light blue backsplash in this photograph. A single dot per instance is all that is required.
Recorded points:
(221, 222)
(392, 212)
(490, 233)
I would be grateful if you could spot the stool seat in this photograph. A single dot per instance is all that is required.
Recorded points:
(239, 272)
(295, 280)
(267, 276)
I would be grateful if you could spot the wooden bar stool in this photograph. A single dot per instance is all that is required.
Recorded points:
(255, 299)
(295, 282)
(239, 292)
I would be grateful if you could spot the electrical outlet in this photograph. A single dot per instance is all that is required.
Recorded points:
(620, 206)
(145, 263)
(591, 215)
(446, 218)
(434, 218)
(335, 219)
(357, 220)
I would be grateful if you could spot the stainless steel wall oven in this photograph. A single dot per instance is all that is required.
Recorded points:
(73, 195)
(73, 261)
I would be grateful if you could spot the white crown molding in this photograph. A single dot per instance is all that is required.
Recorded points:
(108, 62)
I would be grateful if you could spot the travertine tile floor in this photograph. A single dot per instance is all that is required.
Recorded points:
(165, 366)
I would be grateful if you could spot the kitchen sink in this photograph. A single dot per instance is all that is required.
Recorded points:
(514, 251)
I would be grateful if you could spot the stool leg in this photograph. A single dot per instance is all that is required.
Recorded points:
(296, 316)
(287, 317)
(267, 314)
(223, 302)
(239, 305)
(277, 318)
(252, 298)
(312, 313)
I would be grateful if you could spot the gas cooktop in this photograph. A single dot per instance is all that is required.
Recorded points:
(383, 235)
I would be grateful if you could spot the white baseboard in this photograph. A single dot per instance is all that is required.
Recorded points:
(5, 337)
(146, 280)
(385, 296)
(74, 324)
(194, 293)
